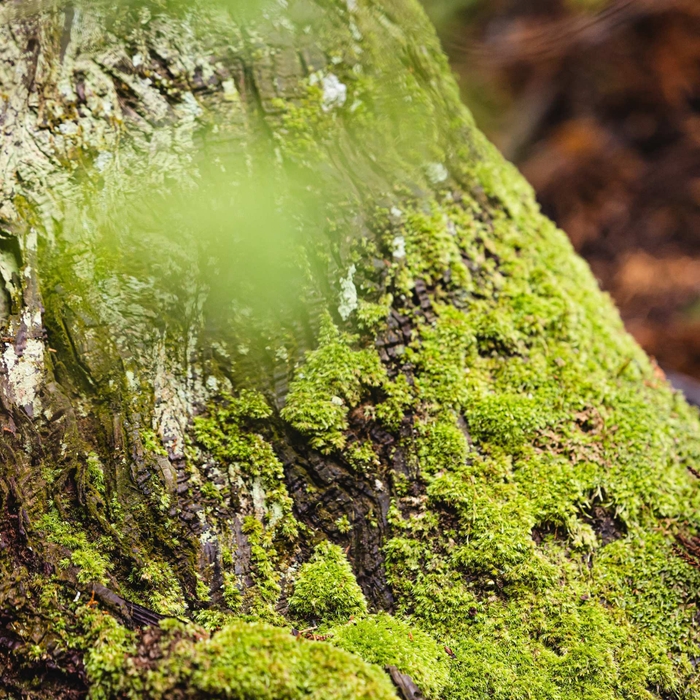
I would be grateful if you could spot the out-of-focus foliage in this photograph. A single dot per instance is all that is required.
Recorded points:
(244, 227)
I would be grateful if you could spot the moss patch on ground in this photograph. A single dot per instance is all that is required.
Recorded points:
(240, 661)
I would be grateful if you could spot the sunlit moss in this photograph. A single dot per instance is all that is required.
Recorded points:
(87, 555)
(387, 641)
(325, 588)
(266, 589)
(334, 378)
(164, 591)
(239, 661)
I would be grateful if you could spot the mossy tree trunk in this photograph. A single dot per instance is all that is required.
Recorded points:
(442, 392)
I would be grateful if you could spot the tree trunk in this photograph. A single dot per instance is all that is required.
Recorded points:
(272, 305)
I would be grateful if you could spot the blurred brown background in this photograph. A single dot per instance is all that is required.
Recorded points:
(598, 103)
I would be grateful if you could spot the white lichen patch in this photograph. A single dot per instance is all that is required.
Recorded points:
(436, 173)
(398, 247)
(24, 374)
(103, 160)
(335, 93)
(348, 295)
(258, 493)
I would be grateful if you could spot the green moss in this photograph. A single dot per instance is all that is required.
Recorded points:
(440, 443)
(431, 250)
(232, 592)
(400, 398)
(443, 359)
(227, 434)
(508, 420)
(264, 594)
(372, 316)
(213, 620)
(560, 646)
(238, 662)
(201, 589)
(387, 641)
(152, 443)
(86, 554)
(535, 412)
(110, 645)
(334, 378)
(343, 524)
(362, 456)
(164, 593)
(95, 472)
(325, 588)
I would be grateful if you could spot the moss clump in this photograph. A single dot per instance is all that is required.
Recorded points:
(543, 433)
(227, 434)
(231, 591)
(362, 456)
(88, 556)
(164, 591)
(239, 662)
(152, 443)
(325, 589)
(334, 379)
(431, 249)
(109, 645)
(504, 419)
(95, 473)
(387, 641)
(266, 590)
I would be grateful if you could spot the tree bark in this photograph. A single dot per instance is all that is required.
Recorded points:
(431, 381)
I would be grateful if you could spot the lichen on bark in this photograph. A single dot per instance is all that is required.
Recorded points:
(423, 385)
